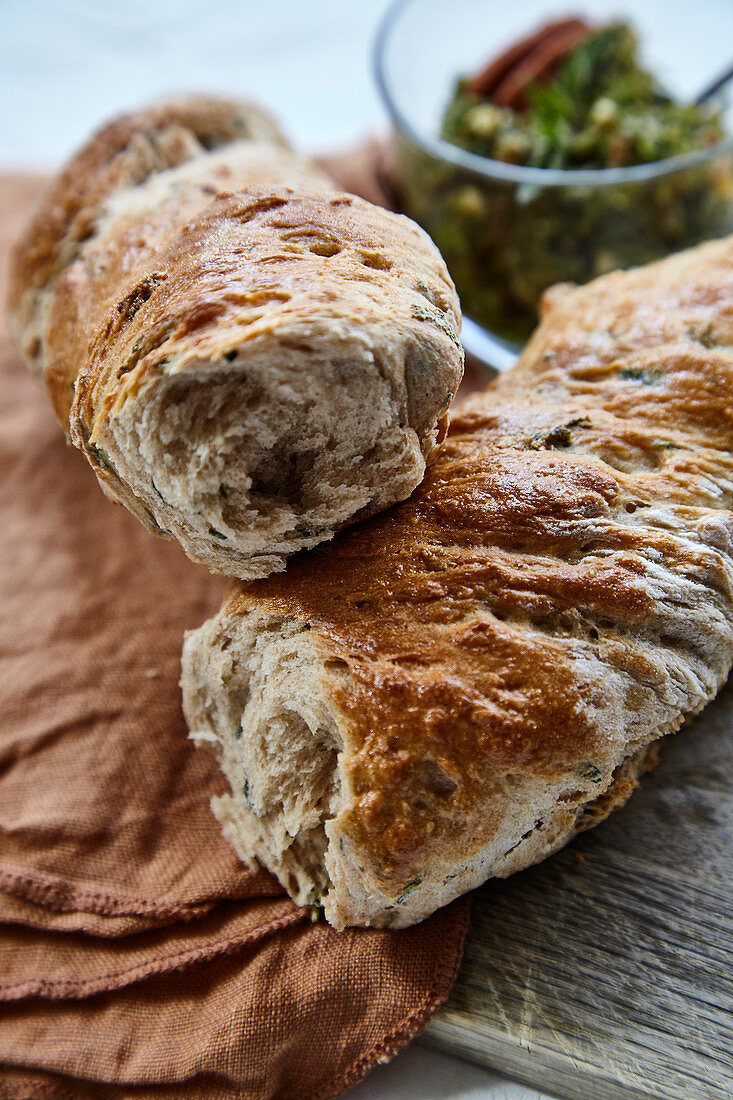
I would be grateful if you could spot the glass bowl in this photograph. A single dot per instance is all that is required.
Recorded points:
(509, 231)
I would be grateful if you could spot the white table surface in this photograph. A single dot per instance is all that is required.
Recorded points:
(65, 65)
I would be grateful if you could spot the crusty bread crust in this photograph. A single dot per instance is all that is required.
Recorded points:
(121, 155)
(479, 672)
(249, 359)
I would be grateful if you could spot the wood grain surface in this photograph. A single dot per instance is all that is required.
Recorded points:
(607, 971)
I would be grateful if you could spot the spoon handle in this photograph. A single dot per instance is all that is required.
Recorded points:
(715, 86)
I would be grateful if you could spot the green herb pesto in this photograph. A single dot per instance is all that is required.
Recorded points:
(602, 110)
(505, 241)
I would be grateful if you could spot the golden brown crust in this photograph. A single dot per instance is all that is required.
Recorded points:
(122, 154)
(557, 592)
(132, 241)
(246, 370)
(250, 266)
(256, 279)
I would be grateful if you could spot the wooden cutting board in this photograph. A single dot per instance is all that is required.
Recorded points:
(607, 971)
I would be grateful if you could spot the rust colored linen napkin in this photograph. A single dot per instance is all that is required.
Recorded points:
(138, 957)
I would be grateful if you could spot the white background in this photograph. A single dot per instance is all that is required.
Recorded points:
(66, 65)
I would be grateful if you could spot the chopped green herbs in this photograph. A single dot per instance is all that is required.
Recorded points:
(588, 770)
(310, 531)
(556, 437)
(560, 436)
(408, 888)
(639, 374)
(703, 336)
(431, 313)
(313, 901)
(99, 457)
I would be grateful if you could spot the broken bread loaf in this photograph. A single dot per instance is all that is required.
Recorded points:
(454, 689)
(248, 358)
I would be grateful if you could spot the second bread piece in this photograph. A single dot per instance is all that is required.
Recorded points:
(249, 366)
(454, 689)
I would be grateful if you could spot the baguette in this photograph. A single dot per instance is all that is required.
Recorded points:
(456, 688)
(248, 358)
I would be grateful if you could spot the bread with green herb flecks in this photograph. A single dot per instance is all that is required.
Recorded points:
(249, 359)
(454, 689)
